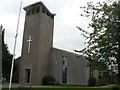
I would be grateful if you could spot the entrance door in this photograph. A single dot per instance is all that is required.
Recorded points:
(27, 75)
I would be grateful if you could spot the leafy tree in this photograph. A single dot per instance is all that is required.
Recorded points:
(6, 58)
(103, 49)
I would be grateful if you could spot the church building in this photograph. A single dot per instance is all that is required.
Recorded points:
(39, 58)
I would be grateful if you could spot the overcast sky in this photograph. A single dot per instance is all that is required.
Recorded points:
(66, 35)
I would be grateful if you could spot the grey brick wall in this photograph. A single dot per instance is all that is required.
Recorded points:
(78, 72)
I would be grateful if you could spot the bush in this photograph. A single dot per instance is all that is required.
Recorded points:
(102, 82)
(48, 80)
(92, 81)
(116, 87)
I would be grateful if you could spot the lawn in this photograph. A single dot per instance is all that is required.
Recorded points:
(63, 88)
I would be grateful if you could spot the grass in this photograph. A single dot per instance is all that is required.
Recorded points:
(63, 88)
(68, 89)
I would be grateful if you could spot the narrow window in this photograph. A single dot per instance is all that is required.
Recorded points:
(28, 13)
(64, 70)
(63, 62)
(37, 9)
(33, 10)
(64, 76)
(48, 13)
(64, 59)
(43, 9)
(52, 16)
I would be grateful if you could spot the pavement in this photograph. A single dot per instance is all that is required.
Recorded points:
(6, 85)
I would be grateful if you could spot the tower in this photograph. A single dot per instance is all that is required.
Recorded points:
(37, 43)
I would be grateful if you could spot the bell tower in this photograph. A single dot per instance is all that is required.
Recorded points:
(37, 43)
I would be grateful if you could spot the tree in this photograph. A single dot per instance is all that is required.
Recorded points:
(103, 49)
(6, 58)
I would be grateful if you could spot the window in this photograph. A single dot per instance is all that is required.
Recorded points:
(48, 13)
(33, 10)
(63, 62)
(43, 9)
(37, 9)
(64, 76)
(28, 13)
(64, 69)
(52, 16)
(64, 59)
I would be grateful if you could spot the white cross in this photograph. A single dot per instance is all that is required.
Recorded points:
(29, 41)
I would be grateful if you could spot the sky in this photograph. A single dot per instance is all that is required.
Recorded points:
(66, 35)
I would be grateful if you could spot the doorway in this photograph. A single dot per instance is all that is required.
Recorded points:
(27, 75)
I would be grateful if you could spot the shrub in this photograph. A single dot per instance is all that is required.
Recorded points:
(102, 82)
(92, 81)
(48, 80)
(116, 87)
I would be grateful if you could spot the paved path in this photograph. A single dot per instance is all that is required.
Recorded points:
(6, 85)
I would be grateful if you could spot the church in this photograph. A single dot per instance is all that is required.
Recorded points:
(39, 58)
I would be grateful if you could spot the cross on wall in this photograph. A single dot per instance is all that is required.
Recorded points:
(29, 43)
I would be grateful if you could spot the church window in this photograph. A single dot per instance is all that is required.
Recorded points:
(64, 69)
(37, 9)
(33, 10)
(52, 16)
(64, 60)
(28, 13)
(64, 76)
(27, 75)
(43, 9)
(48, 13)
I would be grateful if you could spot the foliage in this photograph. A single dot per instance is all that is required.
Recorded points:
(103, 49)
(92, 81)
(116, 87)
(104, 79)
(6, 58)
(48, 80)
